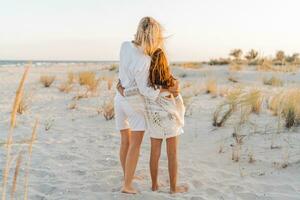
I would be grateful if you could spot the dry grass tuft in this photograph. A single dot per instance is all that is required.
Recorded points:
(254, 99)
(110, 81)
(273, 81)
(226, 109)
(47, 80)
(88, 78)
(211, 87)
(107, 110)
(274, 104)
(286, 105)
(233, 79)
(247, 101)
(113, 67)
(236, 67)
(65, 87)
(72, 105)
(190, 65)
(236, 148)
(291, 108)
(71, 78)
(251, 157)
(24, 104)
(265, 65)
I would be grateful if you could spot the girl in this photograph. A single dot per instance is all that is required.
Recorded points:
(164, 116)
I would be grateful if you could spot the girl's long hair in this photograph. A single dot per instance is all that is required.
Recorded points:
(149, 35)
(159, 71)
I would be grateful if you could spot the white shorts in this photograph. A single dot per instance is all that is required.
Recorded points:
(126, 117)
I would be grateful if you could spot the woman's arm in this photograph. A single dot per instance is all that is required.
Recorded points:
(120, 88)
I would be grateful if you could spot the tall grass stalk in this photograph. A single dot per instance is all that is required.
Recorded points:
(33, 138)
(13, 116)
(17, 169)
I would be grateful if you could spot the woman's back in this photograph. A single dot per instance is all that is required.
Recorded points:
(131, 58)
(134, 69)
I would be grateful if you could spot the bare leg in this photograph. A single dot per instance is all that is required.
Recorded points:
(172, 165)
(154, 161)
(125, 140)
(131, 160)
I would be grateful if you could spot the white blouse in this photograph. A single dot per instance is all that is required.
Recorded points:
(134, 70)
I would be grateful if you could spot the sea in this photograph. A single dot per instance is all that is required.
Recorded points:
(36, 63)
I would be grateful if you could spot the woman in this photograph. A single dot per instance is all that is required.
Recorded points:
(133, 72)
(163, 105)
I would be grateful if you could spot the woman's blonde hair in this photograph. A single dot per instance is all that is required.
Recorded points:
(149, 35)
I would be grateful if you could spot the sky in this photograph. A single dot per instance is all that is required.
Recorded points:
(195, 29)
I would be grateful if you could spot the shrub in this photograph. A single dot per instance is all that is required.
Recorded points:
(254, 99)
(47, 80)
(291, 108)
(71, 78)
(236, 67)
(189, 65)
(226, 109)
(107, 110)
(232, 79)
(65, 87)
(246, 101)
(220, 61)
(88, 79)
(274, 81)
(113, 67)
(211, 87)
(264, 65)
(286, 105)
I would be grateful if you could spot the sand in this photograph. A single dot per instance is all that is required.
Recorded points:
(77, 158)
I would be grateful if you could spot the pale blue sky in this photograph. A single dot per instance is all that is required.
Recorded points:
(94, 29)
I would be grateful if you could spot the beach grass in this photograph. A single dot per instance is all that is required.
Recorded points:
(47, 80)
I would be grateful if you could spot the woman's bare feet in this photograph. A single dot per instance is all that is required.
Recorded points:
(128, 190)
(179, 189)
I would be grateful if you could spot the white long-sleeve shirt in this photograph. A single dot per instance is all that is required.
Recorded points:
(134, 70)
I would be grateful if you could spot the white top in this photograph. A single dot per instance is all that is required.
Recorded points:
(134, 70)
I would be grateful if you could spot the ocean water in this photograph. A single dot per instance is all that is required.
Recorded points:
(50, 62)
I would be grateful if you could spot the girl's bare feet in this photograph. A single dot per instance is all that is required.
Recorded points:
(179, 189)
(154, 187)
(129, 190)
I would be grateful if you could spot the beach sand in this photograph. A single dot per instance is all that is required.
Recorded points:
(77, 157)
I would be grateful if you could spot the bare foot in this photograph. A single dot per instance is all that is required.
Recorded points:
(154, 187)
(180, 189)
(129, 190)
